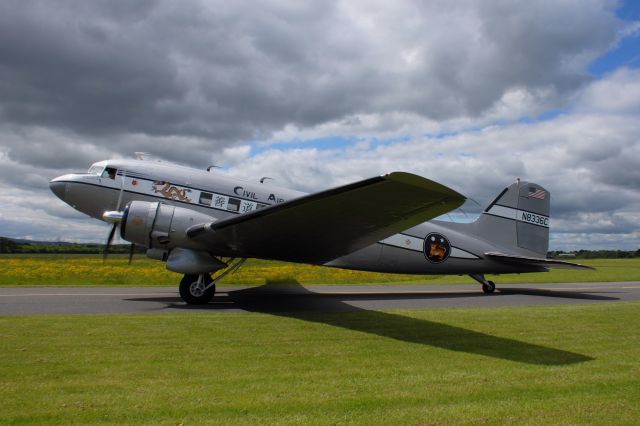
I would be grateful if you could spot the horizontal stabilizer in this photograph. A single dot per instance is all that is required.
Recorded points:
(535, 261)
(326, 225)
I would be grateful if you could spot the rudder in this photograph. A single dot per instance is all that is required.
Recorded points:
(518, 217)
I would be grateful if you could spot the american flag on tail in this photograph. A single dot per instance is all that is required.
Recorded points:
(538, 193)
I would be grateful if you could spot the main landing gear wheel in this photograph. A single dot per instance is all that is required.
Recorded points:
(489, 287)
(192, 289)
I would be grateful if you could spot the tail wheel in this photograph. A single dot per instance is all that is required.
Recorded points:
(489, 287)
(192, 290)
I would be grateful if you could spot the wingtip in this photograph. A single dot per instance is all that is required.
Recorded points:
(422, 182)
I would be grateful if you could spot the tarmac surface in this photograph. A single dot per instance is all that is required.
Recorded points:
(297, 298)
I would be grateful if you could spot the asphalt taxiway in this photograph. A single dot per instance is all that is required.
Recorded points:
(314, 298)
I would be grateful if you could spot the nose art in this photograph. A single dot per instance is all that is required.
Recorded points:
(58, 188)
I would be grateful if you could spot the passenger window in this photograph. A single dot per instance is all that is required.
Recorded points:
(205, 198)
(233, 204)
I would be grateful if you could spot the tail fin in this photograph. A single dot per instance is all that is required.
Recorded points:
(518, 218)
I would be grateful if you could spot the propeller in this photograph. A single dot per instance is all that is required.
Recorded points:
(132, 248)
(115, 217)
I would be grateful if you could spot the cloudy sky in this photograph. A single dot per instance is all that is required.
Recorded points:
(317, 94)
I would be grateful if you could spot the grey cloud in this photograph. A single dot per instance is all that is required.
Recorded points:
(231, 71)
(45, 152)
(79, 230)
(625, 172)
(586, 197)
(15, 175)
(596, 223)
(74, 68)
(577, 241)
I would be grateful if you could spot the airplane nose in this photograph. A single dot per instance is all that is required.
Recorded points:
(58, 188)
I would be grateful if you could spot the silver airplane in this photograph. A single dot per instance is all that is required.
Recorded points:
(201, 222)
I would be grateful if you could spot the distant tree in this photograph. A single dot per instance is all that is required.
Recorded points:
(8, 246)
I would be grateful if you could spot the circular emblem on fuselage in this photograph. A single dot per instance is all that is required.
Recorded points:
(436, 248)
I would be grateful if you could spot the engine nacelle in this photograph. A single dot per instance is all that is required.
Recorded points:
(158, 225)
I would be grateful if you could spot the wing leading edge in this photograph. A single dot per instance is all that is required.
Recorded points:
(326, 225)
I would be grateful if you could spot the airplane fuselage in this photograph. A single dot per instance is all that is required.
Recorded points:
(434, 247)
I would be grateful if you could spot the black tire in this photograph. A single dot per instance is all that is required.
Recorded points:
(189, 293)
(489, 288)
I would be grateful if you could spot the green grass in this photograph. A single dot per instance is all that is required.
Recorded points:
(89, 270)
(573, 364)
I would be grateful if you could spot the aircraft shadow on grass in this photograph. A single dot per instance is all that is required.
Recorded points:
(290, 299)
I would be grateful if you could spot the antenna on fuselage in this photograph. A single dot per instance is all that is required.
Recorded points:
(262, 179)
(213, 166)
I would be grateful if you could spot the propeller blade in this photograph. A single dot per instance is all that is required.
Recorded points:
(121, 190)
(112, 233)
(131, 249)
(115, 217)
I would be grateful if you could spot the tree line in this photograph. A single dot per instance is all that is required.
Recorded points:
(596, 254)
(7, 245)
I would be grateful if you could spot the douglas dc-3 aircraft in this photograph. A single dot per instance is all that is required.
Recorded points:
(200, 222)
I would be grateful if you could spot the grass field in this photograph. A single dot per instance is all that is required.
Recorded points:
(63, 270)
(573, 364)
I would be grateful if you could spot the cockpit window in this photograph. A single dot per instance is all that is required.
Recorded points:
(95, 170)
(109, 172)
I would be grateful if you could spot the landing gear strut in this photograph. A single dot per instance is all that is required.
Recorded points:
(199, 289)
(487, 286)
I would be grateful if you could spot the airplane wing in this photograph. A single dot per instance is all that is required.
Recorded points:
(323, 226)
(535, 261)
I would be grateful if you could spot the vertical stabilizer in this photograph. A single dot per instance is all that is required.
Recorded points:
(518, 218)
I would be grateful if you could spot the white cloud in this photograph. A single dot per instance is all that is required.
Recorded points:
(618, 93)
